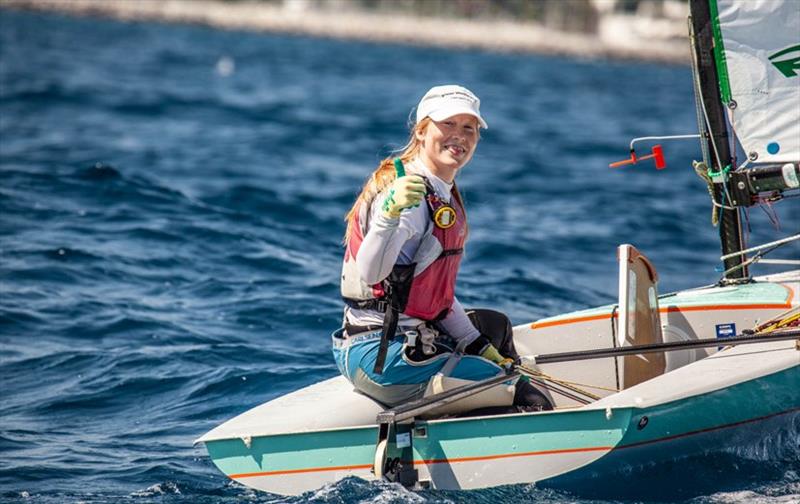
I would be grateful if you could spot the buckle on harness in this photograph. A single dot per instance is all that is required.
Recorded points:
(411, 338)
(427, 335)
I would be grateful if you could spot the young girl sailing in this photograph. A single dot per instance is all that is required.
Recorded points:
(404, 242)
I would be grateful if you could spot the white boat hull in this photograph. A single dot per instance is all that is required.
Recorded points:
(325, 432)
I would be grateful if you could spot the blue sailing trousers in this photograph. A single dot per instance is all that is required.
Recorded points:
(403, 379)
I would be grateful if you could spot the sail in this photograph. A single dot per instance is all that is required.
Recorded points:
(757, 50)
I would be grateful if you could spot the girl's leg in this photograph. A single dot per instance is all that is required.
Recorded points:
(497, 327)
(402, 380)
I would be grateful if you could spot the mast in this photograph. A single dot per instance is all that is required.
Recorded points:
(716, 138)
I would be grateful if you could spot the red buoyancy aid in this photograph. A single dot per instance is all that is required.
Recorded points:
(432, 288)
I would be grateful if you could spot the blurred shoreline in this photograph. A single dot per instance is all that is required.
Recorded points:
(618, 37)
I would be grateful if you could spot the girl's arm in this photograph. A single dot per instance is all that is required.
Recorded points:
(389, 241)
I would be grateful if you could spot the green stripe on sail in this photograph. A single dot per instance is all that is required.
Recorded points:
(719, 54)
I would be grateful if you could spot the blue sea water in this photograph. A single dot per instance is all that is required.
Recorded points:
(171, 202)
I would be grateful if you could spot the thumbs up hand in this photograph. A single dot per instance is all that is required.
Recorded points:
(405, 192)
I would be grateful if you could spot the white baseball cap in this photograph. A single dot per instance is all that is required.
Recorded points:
(441, 102)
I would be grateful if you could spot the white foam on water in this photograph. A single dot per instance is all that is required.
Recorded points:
(325, 491)
(388, 492)
(782, 444)
(158, 489)
(752, 498)
(774, 493)
(393, 493)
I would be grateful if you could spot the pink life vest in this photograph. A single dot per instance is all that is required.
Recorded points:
(432, 289)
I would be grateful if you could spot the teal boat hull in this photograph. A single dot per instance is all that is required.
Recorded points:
(558, 447)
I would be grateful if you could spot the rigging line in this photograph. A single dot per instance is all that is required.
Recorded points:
(795, 262)
(743, 166)
(720, 205)
(546, 376)
(784, 322)
(772, 215)
(614, 342)
(568, 384)
(551, 387)
(747, 219)
(750, 261)
(782, 241)
(697, 92)
(747, 231)
(725, 188)
(711, 138)
(777, 319)
(713, 142)
(698, 169)
(732, 147)
(732, 142)
(703, 121)
(784, 319)
(787, 322)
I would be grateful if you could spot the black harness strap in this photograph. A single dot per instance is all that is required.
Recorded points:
(397, 287)
(389, 327)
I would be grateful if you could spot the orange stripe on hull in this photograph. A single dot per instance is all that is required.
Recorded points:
(511, 455)
(421, 462)
(671, 309)
(668, 309)
(541, 325)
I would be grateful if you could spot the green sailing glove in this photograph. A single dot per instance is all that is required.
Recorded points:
(405, 192)
(491, 353)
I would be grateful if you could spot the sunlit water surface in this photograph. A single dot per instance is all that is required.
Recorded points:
(171, 205)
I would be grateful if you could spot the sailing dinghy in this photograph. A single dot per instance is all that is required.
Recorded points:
(651, 378)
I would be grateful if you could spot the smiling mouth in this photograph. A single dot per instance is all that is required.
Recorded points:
(455, 150)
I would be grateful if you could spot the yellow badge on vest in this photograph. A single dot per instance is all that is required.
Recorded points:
(445, 217)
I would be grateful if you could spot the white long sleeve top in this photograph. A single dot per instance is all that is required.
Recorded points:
(390, 241)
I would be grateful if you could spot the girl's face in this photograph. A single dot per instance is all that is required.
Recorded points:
(448, 145)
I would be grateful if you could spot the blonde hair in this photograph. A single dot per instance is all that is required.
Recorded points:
(384, 175)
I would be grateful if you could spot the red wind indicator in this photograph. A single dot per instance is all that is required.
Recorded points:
(657, 156)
